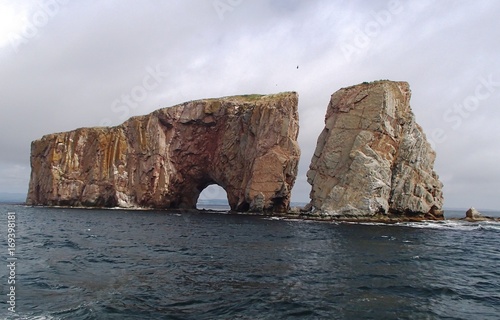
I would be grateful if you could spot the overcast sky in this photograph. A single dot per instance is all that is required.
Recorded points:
(66, 64)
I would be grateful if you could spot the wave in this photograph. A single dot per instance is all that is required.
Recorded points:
(32, 317)
(453, 225)
(461, 225)
(84, 310)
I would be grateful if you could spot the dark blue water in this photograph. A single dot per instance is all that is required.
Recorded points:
(110, 264)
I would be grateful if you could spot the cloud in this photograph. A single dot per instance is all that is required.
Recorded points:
(90, 54)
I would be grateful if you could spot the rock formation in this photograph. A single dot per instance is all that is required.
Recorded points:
(372, 159)
(473, 214)
(245, 144)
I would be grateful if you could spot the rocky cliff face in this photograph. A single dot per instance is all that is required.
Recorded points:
(372, 158)
(245, 144)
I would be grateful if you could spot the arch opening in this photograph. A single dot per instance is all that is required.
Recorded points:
(213, 197)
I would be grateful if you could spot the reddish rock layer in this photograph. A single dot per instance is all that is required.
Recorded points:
(245, 144)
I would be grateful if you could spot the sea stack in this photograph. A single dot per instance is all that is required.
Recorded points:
(372, 160)
(473, 214)
(245, 144)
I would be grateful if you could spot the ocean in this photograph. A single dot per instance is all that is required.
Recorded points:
(120, 264)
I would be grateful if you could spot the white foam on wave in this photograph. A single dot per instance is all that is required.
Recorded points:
(490, 225)
(367, 223)
(273, 218)
(429, 224)
(453, 225)
(43, 317)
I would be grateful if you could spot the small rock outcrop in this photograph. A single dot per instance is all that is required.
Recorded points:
(245, 144)
(473, 214)
(372, 159)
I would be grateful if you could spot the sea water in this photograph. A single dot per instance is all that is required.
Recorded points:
(119, 264)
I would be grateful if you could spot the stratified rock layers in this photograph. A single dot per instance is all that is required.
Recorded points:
(372, 158)
(245, 144)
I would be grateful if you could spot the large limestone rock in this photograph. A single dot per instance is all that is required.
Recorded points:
(372, 159)
(245, 144)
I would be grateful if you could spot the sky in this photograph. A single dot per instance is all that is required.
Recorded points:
(66, 64)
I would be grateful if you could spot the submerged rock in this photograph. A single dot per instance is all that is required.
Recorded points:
(245, 144)
(372, 159)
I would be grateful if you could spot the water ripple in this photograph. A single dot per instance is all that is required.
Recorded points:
(91, 264)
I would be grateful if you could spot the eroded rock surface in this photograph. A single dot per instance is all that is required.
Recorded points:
(472, 213)
(372, 158)
(245, 144)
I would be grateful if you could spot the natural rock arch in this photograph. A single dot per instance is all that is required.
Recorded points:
(212, 195)
(245, 144)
